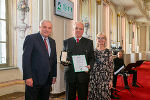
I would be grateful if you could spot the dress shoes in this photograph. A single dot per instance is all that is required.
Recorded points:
(127, 87)
(135, 85)
(114, 97)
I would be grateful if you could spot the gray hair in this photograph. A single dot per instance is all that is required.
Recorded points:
(75, 23)
(44, 20)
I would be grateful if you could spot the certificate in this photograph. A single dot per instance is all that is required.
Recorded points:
(63, 56)
(79, 63)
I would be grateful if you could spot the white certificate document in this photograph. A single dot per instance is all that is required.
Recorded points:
(79, 63)
(63, 56)
(119, 70)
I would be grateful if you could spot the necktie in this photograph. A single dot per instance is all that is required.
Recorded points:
(77, 40)
(46, 44)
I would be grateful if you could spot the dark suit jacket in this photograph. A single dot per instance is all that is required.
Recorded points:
(36, 62)
(84, 47)
(118, 63)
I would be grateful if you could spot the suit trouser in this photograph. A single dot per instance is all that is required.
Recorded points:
(81, 88)
(37, 93)
(134, 72)
(124, 78)
(134, 80)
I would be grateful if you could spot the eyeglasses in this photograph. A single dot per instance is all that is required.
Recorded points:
(77, 28)
(101, 38)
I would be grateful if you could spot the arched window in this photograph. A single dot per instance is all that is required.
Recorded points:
(3, 33)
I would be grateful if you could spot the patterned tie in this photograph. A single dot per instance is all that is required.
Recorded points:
(77, 40)
(46, 45)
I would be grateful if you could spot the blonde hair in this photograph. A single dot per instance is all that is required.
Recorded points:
(99, 35)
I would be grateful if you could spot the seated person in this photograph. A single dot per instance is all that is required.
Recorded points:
(119, 62)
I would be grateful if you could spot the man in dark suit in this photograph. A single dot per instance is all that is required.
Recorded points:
(39, 63)
(118, 63)
(77, 81)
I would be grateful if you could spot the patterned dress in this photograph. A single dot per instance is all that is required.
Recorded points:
(100, 76)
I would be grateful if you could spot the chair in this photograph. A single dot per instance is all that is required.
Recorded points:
(126, 83)
(134, 65)
(139, 63)
(129, 89)
(130, 66)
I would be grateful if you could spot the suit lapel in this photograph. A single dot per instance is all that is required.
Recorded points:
(73, 46)
(82, 43)
(73, 41)
(42, 42)
(51, 46)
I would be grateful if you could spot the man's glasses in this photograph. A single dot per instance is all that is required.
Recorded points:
(77, 28)
(101, 38)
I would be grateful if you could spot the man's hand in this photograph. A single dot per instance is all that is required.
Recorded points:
(88, 68)
(29, 82)
(54, 80)
(65, 63)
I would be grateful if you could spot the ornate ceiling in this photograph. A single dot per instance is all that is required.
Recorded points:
(139, 9)
(147, 4)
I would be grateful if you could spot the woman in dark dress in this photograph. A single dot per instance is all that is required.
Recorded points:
(101, 74)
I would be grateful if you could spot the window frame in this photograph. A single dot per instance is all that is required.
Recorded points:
(7, 36)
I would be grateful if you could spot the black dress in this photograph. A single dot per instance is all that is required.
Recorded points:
(100, 75)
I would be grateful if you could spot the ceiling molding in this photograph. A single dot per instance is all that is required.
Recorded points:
(135, 8)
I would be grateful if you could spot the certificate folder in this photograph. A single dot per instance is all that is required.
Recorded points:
(79, 63)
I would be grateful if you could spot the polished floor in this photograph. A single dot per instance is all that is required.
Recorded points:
(20, 96)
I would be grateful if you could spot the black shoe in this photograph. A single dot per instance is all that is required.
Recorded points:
(113, 97)
(127, 87)
(135, 85)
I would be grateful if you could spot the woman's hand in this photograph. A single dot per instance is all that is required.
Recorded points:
(110, 84)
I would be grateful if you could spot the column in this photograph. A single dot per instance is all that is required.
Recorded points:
(123, 36)
(46, 9)
(100, 17)
(108, 26)
(130, 36)
(40, 10)
(118, 30)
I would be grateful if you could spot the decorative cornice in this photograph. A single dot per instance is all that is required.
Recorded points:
(98, 2)
(107, 2)
(142, 8)
(130, 22)
(118, 14)
(121, 11)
